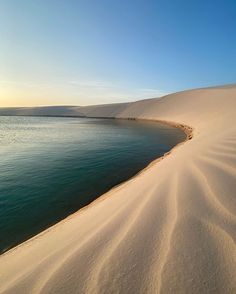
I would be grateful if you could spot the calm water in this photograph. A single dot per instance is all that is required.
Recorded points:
(51, 167)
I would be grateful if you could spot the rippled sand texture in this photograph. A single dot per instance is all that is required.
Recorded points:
(171, 229)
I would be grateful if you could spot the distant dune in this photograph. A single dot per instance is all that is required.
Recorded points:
(170, 229)
(111, 110)
(42, 111)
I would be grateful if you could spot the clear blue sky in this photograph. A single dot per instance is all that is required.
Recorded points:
(85, 52)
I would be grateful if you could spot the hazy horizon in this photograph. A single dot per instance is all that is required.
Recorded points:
(85, 53)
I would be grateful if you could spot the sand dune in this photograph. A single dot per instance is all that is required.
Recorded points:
(42, 111)
(171, 229)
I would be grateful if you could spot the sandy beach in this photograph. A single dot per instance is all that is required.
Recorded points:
(170, 229)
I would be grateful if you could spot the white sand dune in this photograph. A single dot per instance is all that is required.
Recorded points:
(42, 111)
(170, 229)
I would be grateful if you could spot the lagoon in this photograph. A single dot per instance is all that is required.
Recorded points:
(51, 167)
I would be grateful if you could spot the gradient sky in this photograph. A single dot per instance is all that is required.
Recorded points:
(78, 52)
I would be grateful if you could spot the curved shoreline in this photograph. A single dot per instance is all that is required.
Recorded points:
(170, 229)
(189, 134)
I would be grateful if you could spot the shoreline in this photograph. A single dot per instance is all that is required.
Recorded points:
(169, 229)
(189, 135)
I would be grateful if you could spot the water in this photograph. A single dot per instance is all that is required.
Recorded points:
(51, 167)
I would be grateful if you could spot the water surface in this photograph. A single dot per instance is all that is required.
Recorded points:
(51, 167)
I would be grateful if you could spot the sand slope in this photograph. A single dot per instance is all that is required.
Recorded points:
(171, 229)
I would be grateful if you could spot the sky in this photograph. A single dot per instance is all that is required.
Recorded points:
(82, 52)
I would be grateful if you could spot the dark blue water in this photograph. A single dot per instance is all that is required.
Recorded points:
(51, 167)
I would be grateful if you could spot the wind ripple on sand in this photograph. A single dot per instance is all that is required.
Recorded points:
(171, 229)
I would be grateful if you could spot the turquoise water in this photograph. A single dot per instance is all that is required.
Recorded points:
(51, 167)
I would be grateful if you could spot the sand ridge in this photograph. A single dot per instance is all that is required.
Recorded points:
(171, 229)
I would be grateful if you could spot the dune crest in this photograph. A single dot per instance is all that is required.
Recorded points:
(170, 229)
